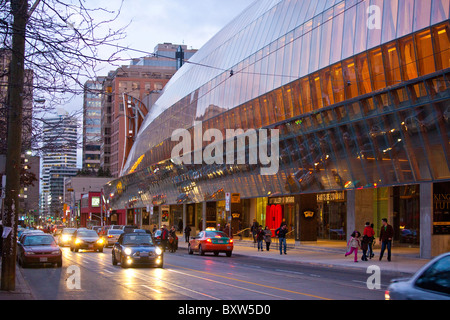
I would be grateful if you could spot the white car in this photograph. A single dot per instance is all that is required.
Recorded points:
(431, 282)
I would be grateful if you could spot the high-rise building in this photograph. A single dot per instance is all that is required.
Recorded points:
(351, 102)
(92, 130)
(59, 160)
(141, 78)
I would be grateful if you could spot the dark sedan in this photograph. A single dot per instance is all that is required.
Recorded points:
(136, 249)
(86, 240)
(38, 249)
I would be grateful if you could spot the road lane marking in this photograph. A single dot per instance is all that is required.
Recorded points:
(253, 283)
(157, 291)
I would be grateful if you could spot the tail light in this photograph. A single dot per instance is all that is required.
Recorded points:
(231, 240)
(110, 236)
(208, 240)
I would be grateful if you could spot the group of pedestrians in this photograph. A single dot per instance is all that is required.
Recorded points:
(265, 235)
(367, 240)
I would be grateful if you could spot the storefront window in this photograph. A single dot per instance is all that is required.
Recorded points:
(332, 216)
(406, 222)
(425, 53)
(441, 36)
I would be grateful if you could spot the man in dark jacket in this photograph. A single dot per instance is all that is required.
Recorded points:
(386, 235)
(281, 234)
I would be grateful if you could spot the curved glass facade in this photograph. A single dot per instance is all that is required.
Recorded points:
(358, 89)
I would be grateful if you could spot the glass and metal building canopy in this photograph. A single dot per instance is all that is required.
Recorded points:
(359, 91)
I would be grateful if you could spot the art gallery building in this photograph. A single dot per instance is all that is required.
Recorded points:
(359, 92)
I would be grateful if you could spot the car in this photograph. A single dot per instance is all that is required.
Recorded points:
(211, 241)
(65, 238)
(97, 228)
(87, 240)
(38, 249)
(136, 249)
(29, 231)
(431, 282)
(111, 236)
(129, 228)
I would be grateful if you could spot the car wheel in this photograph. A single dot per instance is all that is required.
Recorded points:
(75, 249)
(200, 251)
(100, 250)
(114, 261)
(228, 253)
(190, 249)
(216, 253)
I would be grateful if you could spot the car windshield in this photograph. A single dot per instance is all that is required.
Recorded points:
(87, 233)
(138, 239)
(115, 231)
(216, 234)
(39, 241)
(69, 231)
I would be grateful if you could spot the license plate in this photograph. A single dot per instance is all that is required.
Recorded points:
(228, 247)
(43, 259)
(144, 254)
(91, 246)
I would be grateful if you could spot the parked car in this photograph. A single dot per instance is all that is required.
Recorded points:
(65, 238)
(87, 240)
(431, 282)
(211, 241)
(38, 249)
(135, 249)
(112, 236)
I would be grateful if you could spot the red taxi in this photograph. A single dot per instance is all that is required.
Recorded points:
(211, 241)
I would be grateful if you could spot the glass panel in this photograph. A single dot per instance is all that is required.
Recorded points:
(306, 95)
(389, 27)
(315, 44)
(296, 54)
(338, 83)
(422, 12)
(350, 82)
(361, 30)
(362, 65)
(297, 98)
(405, 17)
(377, 69)
(392, 67)
(306, 50)
(316, 91)
(374, 34)
(440, 11)
(349, 32)
(425, 55)
(336, 39)
(325, 46)
(408, 58)
(327, 88)
(441, 36)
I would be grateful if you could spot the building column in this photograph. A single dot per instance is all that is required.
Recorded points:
(184, 219)
(351, 206)
(204, 215)
(426, 220)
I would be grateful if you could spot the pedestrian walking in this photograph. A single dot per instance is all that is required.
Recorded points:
(386, 235)
(164, 237)
(267, 237)
(187, 233)
(260, 238)
(254, 229)
(281, 234)
(368, 238)
(353, 244)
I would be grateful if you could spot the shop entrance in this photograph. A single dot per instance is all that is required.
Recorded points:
(332, 216)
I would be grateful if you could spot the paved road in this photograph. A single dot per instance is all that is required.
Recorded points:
(193, 277)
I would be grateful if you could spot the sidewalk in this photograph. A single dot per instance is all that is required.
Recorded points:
(22, 291)
(405, 261)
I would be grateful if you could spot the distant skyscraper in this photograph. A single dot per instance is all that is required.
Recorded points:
(92, 130)
(59, 160)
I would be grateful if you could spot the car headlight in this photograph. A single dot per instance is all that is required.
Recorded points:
(28, 253)
(127, 251)
(55, 252)
(65, 238)
(100, 241)
(78, 241)
(158, 251)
